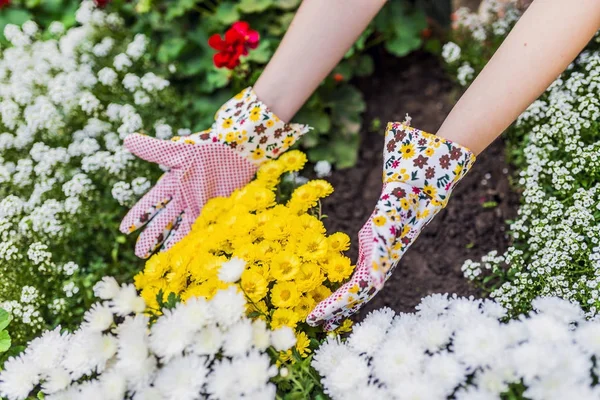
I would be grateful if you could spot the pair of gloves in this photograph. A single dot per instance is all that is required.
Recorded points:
(420, 171)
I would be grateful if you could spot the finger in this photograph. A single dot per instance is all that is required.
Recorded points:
(158, 230)
(180, 230)
(164, 152)
(150, 204)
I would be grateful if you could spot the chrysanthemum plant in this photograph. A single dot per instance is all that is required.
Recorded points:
(274, 251)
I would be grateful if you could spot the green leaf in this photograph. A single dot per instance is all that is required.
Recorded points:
(170, 49)
(253, 6)
(4, 341)
(262, 54)
(401, 46)
(288, 4)
(364, 65)
(5, 318)
(346, 151)
(315, 118)
(227, 13)
(178, 8)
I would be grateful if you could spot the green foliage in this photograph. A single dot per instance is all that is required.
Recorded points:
(5, 342)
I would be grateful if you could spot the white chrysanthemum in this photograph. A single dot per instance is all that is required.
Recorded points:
(127, 301)
(341, 382)
(257, 372)
(283, 338)
(19, 377)
(171, 325)
(47, 350)
(238, 339)
(98, 318)
(559, 309)
(221, 383)
(208, 341)
(231, 270)
(261, 336)
(182, 378)
(366, 338)
(229, 306)
(55, 379)
(113, 385)
(107, 288)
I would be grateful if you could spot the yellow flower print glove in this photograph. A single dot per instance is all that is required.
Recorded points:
(420, 172)
(204, 165)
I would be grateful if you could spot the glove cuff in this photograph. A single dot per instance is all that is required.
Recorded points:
(429, 163)
(247, 125)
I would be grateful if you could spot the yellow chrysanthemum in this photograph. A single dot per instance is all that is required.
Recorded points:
(311, 224)
(304, 307)
(313, 247)
(345, 327)
(285, 266)
(338, 242)
(310, 277)
(285, 295)
(338, 268)
(320, 294)
(255, 286)
(259, 307)
(303, 344)
(293, 160)
(270, 172)
(284, 317)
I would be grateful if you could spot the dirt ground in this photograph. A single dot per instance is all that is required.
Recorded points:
(466, 229)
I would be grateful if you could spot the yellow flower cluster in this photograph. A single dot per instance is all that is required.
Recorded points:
(291, 264)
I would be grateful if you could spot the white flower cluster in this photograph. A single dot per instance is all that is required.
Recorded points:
(494, 19)
(61, 132)
(557, 232)
(456, 348)
(200, 349)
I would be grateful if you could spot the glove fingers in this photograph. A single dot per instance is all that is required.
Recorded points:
(158, 151)
(344, 301)
(158, 230)
(180, 230)
(150, 204)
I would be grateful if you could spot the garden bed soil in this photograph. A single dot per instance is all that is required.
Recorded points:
(465, 229)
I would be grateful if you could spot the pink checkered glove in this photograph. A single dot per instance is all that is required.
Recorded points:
(204, 165)
(420, 171)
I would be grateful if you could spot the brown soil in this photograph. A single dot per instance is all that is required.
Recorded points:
(465, 229)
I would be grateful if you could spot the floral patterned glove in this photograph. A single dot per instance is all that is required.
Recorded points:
(420, 171)
(204, 165)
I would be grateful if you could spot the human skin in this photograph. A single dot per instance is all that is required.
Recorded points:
(319, 36)
(546, 39)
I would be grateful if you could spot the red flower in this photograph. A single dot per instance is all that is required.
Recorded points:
(4, 3)
(238, 39)
(101, 3)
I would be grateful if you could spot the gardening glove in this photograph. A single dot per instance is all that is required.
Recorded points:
(204, 165)
(420, 171)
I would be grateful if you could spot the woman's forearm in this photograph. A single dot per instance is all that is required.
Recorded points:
(319, 36)
(546, 39)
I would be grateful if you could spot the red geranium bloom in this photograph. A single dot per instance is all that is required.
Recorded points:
(101, 3)
(4, 3)
(238, 39)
